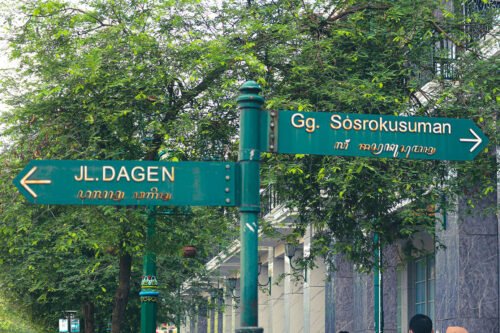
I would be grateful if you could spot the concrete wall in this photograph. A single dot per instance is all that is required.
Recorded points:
(265, 306)
(340, 297)
(467, 270)
(391, 262)
(315, 296)
(293, 301)
(278, 297)
(228, 311)
(467, 285)
(363, 303)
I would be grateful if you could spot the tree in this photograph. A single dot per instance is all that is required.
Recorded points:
(125, 79)
(102, 80)
(373, 57)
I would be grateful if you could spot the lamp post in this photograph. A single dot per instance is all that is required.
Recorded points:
(378, 286)
(290, 250)
(149, 284)
(249, 103)
(70, 314)
(269, 279)
(231, 285)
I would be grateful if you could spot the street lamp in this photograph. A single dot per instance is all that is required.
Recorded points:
(231, 285)
(70, 314)
(268, 284)
(290, 250)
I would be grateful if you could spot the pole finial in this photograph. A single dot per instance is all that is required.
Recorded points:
(250, 87)
(250, 97)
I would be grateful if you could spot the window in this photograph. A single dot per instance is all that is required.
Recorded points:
(415, 290)
(424, 280)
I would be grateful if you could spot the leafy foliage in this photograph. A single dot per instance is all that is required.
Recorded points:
(126, 79)
(103, 80)
(374, 57)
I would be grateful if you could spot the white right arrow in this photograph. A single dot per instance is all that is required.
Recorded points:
(477, 140)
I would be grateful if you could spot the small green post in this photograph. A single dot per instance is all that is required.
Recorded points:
(149, 284)
(377, 286)
(249, 103)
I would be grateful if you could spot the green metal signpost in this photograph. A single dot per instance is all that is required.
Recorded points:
(249, 104)
(130, 183)
(149, 293)
(157, 183)
(363, 135)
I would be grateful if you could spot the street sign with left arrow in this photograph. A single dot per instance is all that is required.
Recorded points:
(144, 183)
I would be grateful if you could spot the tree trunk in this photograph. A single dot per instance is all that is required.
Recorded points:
(88, 317)
(121, 295)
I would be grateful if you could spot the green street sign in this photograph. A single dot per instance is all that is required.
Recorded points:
(363, 135)
(130, 183)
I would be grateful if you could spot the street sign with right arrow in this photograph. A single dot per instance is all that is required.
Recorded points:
(365, 135)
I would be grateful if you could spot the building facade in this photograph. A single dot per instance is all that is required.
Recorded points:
(455, 278)
(456, 285)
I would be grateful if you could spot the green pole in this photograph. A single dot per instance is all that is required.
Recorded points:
(249, 103)
(377, 286)
(178, 315)
(149, 293)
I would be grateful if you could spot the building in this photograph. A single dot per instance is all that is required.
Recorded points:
(457, 285)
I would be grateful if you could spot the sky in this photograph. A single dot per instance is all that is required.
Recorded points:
(6, 7)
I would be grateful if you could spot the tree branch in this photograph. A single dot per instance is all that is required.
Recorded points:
(334, 17)
(187, 97)
(442, 31)
(453, 40)
(190, 95)
(75, 10)
(91, 16)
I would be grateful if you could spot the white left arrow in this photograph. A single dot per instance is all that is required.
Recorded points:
(476, 139)
(25, 182)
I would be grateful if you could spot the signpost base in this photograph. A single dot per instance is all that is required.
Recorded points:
(148, 317)
(149, 285)
(250, 330)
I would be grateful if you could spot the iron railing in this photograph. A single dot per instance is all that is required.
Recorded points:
(483, 17)
(485, 12)
(444, 58)
(271, 198)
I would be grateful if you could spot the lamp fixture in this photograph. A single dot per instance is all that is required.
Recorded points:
(231, 285)
(290, 250)
(216, 295)
(268, 284)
